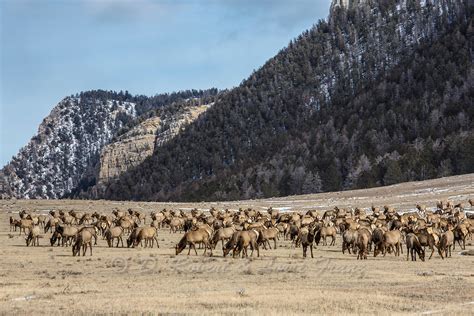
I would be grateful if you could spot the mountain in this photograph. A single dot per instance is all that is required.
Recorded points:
(379, 93)
(63, 156)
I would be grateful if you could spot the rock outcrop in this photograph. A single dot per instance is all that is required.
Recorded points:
(133, 147)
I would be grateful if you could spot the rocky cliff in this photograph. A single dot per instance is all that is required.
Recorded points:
(133, 147)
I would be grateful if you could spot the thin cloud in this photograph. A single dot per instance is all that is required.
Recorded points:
(270, 16)
(110, 11)
(280, 13)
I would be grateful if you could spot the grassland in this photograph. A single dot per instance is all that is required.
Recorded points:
(47, 280)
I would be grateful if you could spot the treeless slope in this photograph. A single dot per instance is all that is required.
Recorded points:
(403, 196)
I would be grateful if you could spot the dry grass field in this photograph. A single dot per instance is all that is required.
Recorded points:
(49, 280)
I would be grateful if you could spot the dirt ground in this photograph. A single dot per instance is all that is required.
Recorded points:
(49, 280)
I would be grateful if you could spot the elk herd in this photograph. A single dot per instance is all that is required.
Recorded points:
(379, 230)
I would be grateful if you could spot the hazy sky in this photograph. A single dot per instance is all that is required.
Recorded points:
(52, 49)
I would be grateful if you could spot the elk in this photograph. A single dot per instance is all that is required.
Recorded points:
(265, 235)
(51, 224)
(23, 214)
(14, 223)
(127, 224)
(191, 238)
(306, 238)
(377, 239)
(427, 238)
(158, 219)
(33, 236)
(460, 234)
(114, 233)
(414, 247)
(363, 244)
(175, 224)
(86, 218)
(292, 232)
(445, 242)
(118, 214)
(349, 240)
(237, 244)
(324, 232)
(42, 220)
(84, 238)
(24, 224)
(133, 237)
(139, 215)
(93, 230)
(149, 234)
(65, 234)
(392, 238)
(243, 241)
(222, 234)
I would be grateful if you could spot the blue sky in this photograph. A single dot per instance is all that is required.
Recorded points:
(52, 49)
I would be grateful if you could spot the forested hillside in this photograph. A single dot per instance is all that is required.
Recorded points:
(375, 95)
